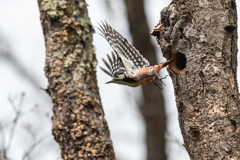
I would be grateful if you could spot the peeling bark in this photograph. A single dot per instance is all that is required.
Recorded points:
(79, 126)
(202, 35)
(153, 107)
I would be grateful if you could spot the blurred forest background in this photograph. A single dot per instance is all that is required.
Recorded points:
(137, 117)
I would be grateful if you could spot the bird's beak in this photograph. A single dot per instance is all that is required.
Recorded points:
(112, 81)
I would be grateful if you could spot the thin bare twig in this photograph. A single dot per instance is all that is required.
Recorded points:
(18, 114)
(12, 103)
(3, 149)
(22, 114)
(35, 143)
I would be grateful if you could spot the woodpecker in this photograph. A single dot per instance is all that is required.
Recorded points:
(128, 67)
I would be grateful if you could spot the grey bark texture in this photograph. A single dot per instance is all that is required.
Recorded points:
(202, 36)
(152, 108)
(79, 126)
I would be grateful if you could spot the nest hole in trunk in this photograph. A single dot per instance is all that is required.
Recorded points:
(179, 63)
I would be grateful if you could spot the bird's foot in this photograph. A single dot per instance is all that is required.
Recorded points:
(159, 82)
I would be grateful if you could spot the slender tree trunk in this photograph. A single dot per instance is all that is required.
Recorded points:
(153, 107)
(79, 126)
(202, 36)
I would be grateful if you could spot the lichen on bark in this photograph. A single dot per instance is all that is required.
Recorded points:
(79, 125)
(204, 34)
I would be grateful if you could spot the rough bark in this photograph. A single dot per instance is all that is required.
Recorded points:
(202, 35)
(79, 126)
(153, 107)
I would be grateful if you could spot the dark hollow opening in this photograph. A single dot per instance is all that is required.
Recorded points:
(181, 30)
(230, 28)
(195, 132)
(181, 107)
(234, 123)
(233, 5)
(181, 61)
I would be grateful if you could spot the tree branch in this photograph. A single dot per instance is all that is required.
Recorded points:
(79, 126)
(202, 37)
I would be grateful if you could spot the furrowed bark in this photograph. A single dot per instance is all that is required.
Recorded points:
(202, 36)
(79, 126)
(153, 107)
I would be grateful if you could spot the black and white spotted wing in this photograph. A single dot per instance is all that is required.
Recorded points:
(115, 68)
(121, 46)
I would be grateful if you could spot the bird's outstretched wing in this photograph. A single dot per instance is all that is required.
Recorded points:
(115, 67)
(129, 55)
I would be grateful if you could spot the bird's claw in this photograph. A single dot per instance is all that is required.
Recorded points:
(160, 83)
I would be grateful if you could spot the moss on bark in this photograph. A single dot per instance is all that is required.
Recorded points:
(79, 125)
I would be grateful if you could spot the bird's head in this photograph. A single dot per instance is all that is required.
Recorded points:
(116, 79)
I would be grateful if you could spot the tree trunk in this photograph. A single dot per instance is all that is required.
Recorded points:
(153, 107)
(79, 126)
(202, 36)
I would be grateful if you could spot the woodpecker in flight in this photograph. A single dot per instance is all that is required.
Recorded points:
(129, 67)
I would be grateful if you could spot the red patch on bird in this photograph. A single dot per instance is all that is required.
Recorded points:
(148, 79)
(144, 71)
